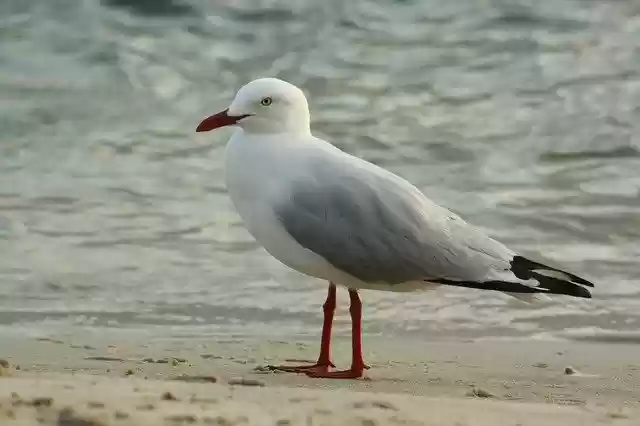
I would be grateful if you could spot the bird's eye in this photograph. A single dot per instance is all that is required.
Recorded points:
(266, 101)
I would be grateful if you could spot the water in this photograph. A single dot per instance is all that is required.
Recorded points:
(521, 116)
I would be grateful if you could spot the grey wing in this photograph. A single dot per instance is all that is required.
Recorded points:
(378, 228)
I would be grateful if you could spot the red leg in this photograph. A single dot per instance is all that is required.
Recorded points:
(357, 364)
(324, 360)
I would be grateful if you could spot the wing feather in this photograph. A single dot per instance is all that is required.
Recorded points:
(379, 228)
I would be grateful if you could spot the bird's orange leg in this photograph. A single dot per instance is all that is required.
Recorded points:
(357, 364)
(324, 360)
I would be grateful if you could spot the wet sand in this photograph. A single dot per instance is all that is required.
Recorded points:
(64, 380)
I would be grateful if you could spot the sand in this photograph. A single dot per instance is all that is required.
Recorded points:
(68, 381)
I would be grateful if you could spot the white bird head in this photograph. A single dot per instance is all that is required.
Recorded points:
(264, 106)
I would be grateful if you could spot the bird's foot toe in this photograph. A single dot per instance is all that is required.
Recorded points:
(317, 368)
(352, 373)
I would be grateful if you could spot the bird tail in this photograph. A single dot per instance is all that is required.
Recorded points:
(549, 280)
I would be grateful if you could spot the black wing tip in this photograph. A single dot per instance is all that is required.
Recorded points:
(526, 269)
(587, 295)
(523, 268)
(569, 284)
(547, 286)
(558, 286)
(575, 291)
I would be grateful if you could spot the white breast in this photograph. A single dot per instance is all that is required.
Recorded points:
(257, 174)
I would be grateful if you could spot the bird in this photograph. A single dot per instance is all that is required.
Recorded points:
(334, 216)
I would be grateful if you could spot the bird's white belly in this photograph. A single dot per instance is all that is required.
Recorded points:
(262, 224)
(265, 228)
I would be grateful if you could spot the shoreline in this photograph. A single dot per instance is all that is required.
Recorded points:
(451, 382)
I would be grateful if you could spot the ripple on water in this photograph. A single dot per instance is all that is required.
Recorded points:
(522, 118)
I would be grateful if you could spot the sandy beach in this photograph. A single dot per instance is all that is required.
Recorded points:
(59, 380)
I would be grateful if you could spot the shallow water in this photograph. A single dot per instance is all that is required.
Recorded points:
(521, 116)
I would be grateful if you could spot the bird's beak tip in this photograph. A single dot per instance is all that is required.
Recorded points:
(216, 121)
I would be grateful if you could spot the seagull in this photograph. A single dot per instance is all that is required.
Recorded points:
(333, 216)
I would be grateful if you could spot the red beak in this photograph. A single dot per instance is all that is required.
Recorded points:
(218, 120)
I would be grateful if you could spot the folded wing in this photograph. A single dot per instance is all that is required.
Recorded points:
(380, 229)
